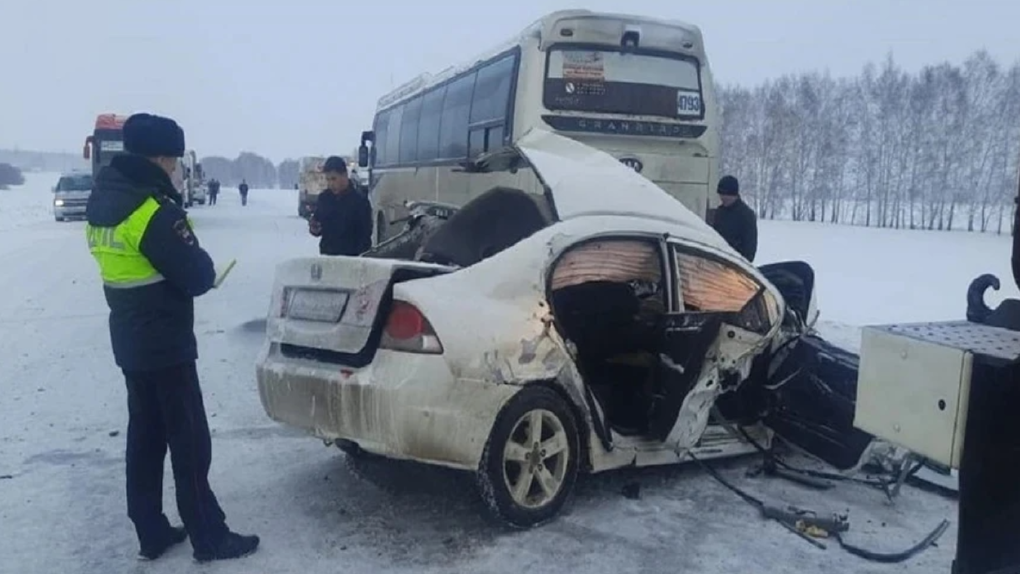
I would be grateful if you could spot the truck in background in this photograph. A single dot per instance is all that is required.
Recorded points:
(106, 141)
(194, 188)
(311, 181)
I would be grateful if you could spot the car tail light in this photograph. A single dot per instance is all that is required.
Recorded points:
(409, 331)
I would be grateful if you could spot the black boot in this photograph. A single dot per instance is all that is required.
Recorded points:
(231, 546)
(172, 537)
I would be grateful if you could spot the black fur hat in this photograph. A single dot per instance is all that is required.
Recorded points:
(728, 185)
(153, 136)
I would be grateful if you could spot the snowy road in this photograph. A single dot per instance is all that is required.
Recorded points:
(63, 411)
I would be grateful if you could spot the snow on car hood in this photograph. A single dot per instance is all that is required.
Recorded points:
(587, 181)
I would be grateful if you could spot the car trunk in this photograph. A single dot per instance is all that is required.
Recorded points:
(332, 309)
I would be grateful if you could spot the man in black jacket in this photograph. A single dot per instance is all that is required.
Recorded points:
(735, 220)
(214, 191)
(342, 219)
(152, 268)
(243, 188)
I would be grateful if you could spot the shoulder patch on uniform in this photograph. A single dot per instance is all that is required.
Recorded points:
(183, 230)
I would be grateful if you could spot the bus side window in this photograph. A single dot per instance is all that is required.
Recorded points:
(392, 155)
(409, 131)
(453, 130)
(428, 125)
(490, 107)
(382, 123)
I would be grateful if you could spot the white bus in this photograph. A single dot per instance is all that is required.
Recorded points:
(636, 87)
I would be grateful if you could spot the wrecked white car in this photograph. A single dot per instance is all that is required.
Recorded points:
(533, 337)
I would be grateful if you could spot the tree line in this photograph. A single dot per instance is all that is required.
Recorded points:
(937, 149)
(258, 171)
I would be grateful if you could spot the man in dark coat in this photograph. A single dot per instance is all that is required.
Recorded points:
(342, 219)
(243, 188)
(152, 268)
(214, 191)
(735, 220)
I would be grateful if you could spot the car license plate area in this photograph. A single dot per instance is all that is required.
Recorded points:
(317, 305)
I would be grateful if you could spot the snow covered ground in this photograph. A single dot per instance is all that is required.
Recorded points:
(63, 411)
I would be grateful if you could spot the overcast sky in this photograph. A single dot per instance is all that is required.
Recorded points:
(301, 77)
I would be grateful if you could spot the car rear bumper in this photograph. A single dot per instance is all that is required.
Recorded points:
(401, 406)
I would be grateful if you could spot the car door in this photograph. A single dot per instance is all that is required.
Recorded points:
(720, 318)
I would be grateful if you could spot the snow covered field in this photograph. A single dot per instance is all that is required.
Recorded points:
(63, 412)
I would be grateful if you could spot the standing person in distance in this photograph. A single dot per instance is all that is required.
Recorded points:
(342, 219)
(152, 268)
(734, 220)
(243, 188)
(214, 190)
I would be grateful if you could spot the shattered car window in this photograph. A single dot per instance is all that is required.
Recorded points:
(619, 260)
(708, 285)
(629, 261)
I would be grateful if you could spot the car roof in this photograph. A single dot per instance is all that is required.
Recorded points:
(585, 181)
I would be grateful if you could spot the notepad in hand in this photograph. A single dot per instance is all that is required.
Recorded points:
(221, 274)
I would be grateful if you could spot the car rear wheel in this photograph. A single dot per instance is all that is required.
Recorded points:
(530, 463)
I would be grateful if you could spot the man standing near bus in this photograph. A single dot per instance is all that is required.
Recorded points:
(342, 219)
(734, 220)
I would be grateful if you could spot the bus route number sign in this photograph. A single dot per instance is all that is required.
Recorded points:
(688, 103)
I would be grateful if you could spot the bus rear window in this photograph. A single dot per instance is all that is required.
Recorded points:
(108, 149)
(614, 82)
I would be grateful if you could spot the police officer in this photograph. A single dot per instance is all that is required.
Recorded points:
(735, 221)
(152, 269)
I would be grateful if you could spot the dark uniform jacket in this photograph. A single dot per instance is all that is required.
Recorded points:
(151, 321)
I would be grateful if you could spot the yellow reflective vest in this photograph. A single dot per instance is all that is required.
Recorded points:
(116, 249)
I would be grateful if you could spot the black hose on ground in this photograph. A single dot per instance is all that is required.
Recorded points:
(771, 457)
(895, 557)
(887, 558)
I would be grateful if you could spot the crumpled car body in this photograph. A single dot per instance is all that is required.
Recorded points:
(598, 326)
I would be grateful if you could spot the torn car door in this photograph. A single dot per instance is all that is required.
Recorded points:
(723, 317)
(686, 341)
(811, 385)
(812, 400)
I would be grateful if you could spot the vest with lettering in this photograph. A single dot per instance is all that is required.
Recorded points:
(116, 250)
